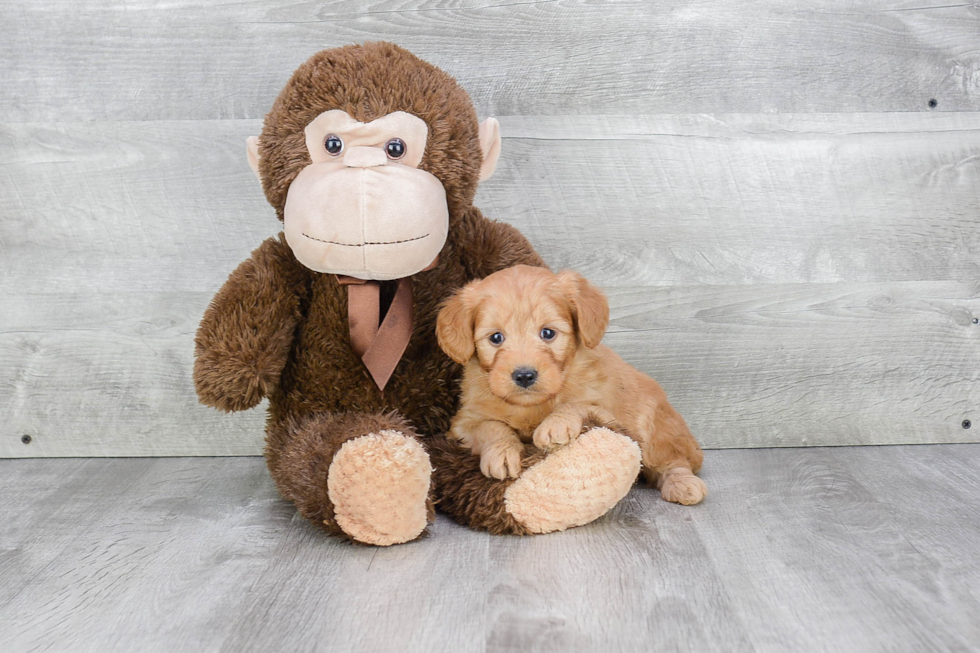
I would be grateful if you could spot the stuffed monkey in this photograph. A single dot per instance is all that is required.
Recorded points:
(371, 159)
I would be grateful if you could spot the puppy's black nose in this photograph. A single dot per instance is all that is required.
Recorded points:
(525, 376)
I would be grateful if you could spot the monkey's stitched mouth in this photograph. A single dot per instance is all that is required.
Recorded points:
(391, 242)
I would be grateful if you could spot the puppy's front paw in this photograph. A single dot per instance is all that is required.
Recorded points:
(556, 430)
(501, 459)
(683, 487)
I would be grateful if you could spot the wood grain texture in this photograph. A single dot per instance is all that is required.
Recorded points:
(846, 549)
(127, 207)
(665, 200)
(780, 365)
(748, 366)
(935, 525)
(636, 580)
(732, 199)
(425, 595)
(114, 555)
(144, 60)
(781, 517)
(98, 374)
(791, 280)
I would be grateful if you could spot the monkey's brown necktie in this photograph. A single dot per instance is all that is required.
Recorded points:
(379, 346)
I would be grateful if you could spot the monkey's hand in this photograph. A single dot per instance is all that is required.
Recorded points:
(247, 331)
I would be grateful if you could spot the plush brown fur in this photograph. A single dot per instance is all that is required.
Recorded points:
(469, 497)
(308, 444)
(578, 381)
(370, 81)
(279, 330)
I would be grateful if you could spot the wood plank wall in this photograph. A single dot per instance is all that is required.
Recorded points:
(781, 199)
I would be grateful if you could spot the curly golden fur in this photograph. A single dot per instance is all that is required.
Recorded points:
(536, 372)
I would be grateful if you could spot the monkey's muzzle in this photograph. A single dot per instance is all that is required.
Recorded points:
(366, 217)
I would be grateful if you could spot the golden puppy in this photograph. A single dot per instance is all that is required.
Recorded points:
(535, 371)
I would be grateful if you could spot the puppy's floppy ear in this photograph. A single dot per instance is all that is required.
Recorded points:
(455, 324)
(590, 309)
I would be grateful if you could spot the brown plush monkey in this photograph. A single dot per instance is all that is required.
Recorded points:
(371, 158)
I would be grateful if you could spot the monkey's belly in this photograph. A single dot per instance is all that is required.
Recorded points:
(423, 390)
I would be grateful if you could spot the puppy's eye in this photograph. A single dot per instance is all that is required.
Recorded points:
(395, 148)
(332, 144)
(548, 334)
(496, 338)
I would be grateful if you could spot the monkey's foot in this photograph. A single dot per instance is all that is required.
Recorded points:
(378, 484)
(575, 484)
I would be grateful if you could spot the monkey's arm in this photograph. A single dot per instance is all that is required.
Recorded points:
(247, 331)
(489, 246)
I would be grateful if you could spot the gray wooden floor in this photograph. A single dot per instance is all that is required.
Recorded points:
(845, 549)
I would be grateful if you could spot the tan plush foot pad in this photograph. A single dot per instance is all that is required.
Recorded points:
(681, 486)
(576, 484)
(378, 484)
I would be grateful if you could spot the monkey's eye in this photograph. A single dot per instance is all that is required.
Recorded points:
(496, 338)
(548, 334)
(333, 144)
(395, 148)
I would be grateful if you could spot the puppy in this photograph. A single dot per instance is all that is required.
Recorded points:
(535, 371)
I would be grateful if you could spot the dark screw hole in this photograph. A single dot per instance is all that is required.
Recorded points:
(967, 423)
(933, 104)
(976, 320)
(26, 439)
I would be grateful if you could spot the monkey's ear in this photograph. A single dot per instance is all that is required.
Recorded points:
(589, 306)
(490, 145)
(455, 324)
(252, 149)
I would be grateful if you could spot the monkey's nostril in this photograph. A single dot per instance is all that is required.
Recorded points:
(525, 376)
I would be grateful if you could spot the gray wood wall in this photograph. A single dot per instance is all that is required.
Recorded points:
(789, 233)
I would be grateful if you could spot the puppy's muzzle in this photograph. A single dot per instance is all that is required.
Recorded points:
(525, 376)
